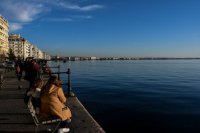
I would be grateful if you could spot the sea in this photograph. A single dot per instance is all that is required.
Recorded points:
(136, 96)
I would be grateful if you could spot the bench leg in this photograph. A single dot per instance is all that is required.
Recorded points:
(36, 129)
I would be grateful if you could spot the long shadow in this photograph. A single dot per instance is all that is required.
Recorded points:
(42, 131)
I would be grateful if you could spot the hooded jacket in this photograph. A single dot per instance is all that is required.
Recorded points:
(52, 103)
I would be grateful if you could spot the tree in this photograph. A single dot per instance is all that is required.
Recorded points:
(2, 57)
(11, 55)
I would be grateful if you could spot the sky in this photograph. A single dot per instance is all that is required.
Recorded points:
(108, 28)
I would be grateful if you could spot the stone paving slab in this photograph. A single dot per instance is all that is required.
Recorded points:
(12, 106)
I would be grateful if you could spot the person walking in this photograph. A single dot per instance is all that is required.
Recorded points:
(19, 71)
(34, 72)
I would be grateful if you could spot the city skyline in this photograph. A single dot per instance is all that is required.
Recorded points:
(103, 28)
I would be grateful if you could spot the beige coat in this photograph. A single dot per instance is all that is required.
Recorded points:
(52, 103)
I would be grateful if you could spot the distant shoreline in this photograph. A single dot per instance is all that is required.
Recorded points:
(122, 58)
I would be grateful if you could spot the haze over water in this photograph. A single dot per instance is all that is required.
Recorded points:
(155, 96)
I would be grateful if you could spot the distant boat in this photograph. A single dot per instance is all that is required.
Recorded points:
(64, 60)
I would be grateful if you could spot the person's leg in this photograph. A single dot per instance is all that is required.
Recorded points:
(20, 75)
(64, 127)
(62, 124)
(65, 123)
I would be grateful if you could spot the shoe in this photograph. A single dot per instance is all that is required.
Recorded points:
(49, 130)
(66, 130)
(19, 87)
(63, 130)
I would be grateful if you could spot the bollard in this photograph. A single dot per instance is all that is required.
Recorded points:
(70, 92)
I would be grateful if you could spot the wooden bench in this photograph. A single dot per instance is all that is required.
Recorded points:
(39, 121)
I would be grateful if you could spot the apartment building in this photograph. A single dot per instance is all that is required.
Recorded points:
(3, 36)
(20, 46)
(35, 51)
(40, 54)
(46, 56)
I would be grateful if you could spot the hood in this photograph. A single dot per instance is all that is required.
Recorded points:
(50, 88)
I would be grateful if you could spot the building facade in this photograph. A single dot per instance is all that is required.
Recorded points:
(35, 51)
(20, 46)
(46, 56)
(4, 27)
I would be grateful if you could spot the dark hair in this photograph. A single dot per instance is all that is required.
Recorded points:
(38, 83)
(52, 79)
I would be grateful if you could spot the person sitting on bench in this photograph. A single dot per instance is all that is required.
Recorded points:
(35, 92)
(53, 103)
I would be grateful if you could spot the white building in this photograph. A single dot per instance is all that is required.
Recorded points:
(46, 56)
(40, 54)
(3, 36)
(23, 49)
(35, 51)
(93, 58)
(19, 46)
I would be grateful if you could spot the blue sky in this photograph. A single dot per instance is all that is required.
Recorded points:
(125, 28)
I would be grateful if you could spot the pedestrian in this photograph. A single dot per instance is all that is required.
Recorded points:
(34, 72)
(19, 69)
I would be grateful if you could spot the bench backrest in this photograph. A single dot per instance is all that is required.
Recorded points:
(32, 111)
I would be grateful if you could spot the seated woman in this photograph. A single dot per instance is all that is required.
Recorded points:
(53, 103)
(35, 93)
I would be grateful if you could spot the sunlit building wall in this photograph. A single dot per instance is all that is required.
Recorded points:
(19, 46)
(4, 27)
(22, 48)
(46, 56)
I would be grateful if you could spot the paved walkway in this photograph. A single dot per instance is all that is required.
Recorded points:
(14, 115)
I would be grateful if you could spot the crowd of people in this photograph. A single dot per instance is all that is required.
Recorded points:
(47, 98)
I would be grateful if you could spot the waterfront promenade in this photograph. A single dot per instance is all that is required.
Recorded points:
(15, 117)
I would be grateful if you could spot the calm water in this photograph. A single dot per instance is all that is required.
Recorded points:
(154, 96)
